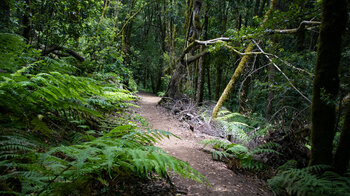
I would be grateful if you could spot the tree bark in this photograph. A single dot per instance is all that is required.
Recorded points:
(342, 155)
(218, 78)
(262, 7)
(326, 81)
(256, 8)
(207, 66)
(199, 80)
(242, 109)
(174, 86)
(5, 15)
(235, 76)
(27, 21)
(270, 94)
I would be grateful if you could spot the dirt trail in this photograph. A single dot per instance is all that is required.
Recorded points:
(223, 180)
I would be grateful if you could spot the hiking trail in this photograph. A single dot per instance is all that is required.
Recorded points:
(223, 180)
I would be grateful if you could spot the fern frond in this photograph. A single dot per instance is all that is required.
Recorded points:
(310, 181)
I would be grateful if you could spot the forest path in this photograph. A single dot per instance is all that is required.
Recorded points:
(223, 180)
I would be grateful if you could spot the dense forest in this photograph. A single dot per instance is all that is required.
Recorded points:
(269, 80)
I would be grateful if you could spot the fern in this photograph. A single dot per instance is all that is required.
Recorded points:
(121, 152)
(245, 157)
(58, 132)
(314, 180)
(240, 128)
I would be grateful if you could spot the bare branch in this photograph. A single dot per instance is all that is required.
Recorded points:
(212, 41)
(224, 39)
(279, 69)
(290, 31)
(245, 53)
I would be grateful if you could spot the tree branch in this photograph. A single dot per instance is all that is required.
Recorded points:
(190, 59)
(295, 30)
(212, 41)
(69, 51)
(279, 69)
(130, 18)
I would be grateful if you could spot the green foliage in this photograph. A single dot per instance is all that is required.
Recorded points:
(244, 158)
(63, 130)
(14, 53)
(314, 180)
(124, 151)
(38, 102)
(241, 128)
(25, 97)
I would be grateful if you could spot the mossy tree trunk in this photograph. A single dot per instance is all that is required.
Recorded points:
(192, 24)
(326, 81)
(201, 64)
(239, 69)
(235, 76)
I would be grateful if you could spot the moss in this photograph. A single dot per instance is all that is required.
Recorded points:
(234, 78)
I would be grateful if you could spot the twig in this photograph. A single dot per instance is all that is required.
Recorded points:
(292, 66)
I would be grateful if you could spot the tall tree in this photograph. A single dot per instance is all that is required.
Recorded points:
(326, 81)
(192, 25)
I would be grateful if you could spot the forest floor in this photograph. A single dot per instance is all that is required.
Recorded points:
(223, 180)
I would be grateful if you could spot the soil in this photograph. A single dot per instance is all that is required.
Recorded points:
(223, 180)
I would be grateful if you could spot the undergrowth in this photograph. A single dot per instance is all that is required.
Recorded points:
(239, 156)
(63, 132)
(314, 180)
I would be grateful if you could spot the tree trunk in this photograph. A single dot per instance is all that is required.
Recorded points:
(174, 86)
(235, 76)
(300, 38)
(218, 78)
(270, 94)
(261, 10)
(326, 81)
(126, 40)
(202, 60)
(27, 21)
(199, 90)
(5, 15)
(256, 8)
(208, 80)
(238, 69)
(342, 155)
(242, 109)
